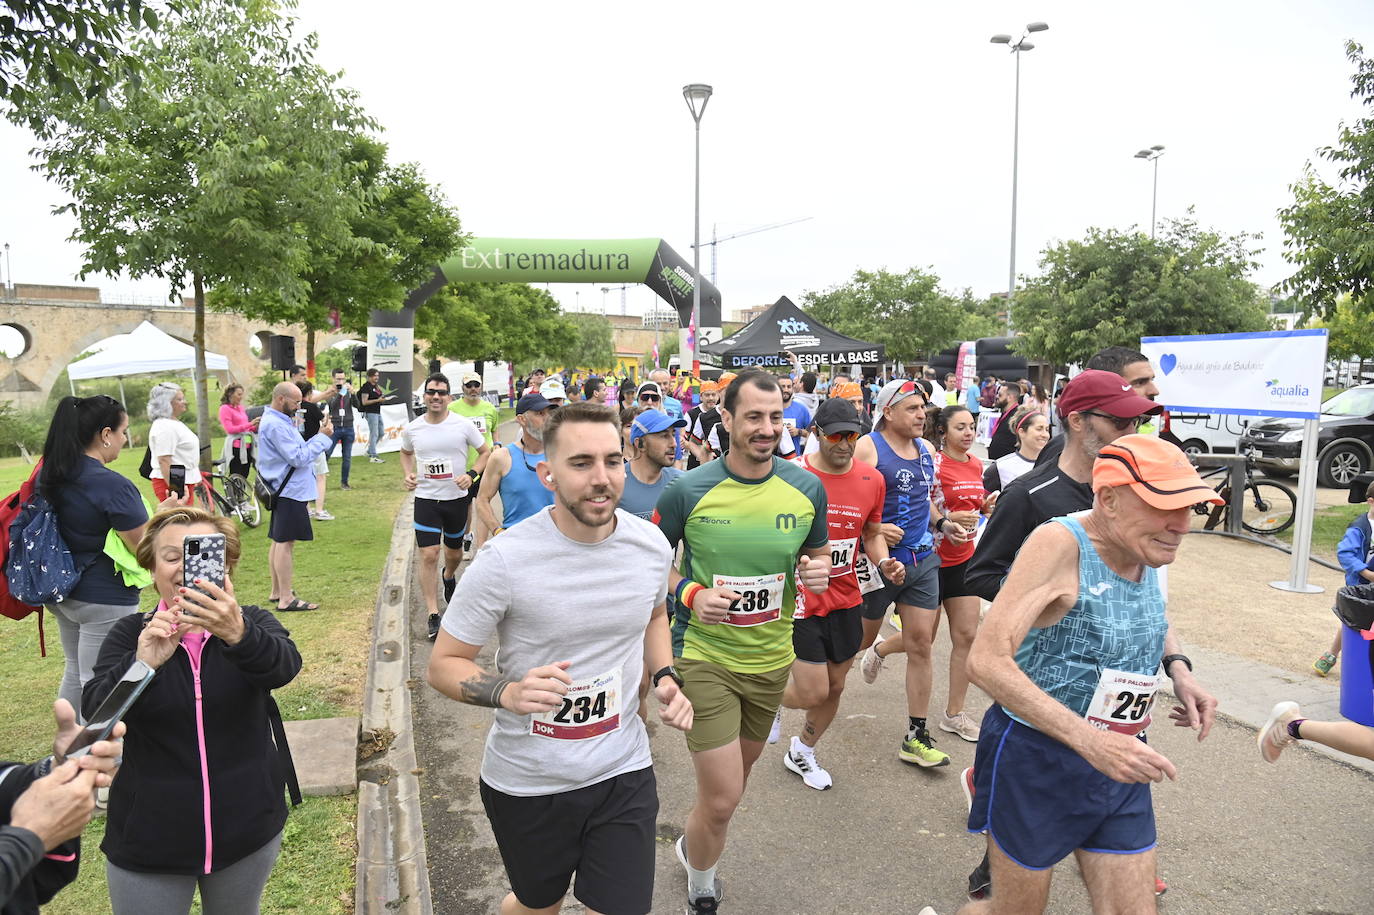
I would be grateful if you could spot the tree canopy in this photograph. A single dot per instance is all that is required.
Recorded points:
(908, 312)
(1329, 229)
(490, 321)
(1112, 288)
(68, 47)
(227, 166)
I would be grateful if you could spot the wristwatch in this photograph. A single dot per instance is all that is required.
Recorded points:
(1170, 658)
(670, 672)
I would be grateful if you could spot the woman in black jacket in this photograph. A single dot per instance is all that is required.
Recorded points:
(199, 800)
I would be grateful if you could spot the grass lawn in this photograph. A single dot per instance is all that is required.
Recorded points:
(339, 570)
(1328, 527)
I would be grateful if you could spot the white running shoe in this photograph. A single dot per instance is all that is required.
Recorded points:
(775, 732)
(927, 911)
(872, 663)
(805, 765)
(1273, 738)
(960, 724)
(323, 516)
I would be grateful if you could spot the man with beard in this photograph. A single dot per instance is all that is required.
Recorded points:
(1003, 438)
(1096, 409)
(650, 467)
(907, 465)
(697, 451)
(575, 597)
(827, 637)
(745, 520)
(510, 471)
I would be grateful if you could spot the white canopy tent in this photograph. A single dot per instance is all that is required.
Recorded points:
(146, 350)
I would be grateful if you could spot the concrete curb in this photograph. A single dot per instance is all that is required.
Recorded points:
(392, 874)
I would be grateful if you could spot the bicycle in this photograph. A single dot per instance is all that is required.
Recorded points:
(1266, 507)
(239, 500)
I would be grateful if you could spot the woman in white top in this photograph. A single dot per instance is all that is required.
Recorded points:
(169, 440)
(1032, 430)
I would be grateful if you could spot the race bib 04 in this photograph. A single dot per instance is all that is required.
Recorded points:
(842, 553)
(868, 577)
(1123, 701)
(590, 708)
(439, 470)
(760, 598)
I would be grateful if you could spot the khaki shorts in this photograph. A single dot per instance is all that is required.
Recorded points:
(728, 705)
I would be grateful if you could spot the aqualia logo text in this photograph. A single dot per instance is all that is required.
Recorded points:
(1277, 389)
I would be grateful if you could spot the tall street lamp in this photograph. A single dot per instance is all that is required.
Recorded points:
(1016, 48)
(697, 95)
(1152, 155)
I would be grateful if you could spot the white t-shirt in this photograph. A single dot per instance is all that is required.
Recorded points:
(173, 437)
(547, 598)
(441, 454)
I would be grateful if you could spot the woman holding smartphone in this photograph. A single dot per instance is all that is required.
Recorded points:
(199, 802)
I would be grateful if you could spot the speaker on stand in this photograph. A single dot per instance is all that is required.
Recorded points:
(283, 351)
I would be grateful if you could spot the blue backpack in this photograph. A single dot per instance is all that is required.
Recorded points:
(39, 568)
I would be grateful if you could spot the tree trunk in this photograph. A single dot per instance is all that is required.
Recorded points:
(310, 353)
(202, 392)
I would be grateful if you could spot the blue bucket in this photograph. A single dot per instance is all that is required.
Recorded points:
(1357, 683)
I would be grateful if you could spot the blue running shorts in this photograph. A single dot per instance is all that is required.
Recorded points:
(1040, 801)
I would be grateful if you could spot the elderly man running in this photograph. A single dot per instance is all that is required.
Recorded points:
(1071, 652)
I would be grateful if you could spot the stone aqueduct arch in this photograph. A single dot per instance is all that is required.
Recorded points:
(62, 322)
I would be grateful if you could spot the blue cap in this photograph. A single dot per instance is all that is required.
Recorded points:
(529, 402)
(651, 421)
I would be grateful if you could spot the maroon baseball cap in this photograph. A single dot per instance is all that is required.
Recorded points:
(1104, 391)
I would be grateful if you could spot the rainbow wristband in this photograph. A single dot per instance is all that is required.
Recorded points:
(687, 591)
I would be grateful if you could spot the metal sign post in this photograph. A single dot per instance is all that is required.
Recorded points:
(1306, 509)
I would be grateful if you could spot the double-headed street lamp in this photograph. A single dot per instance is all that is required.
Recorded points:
(1152, 155)
(1016, 48)
(697, 95)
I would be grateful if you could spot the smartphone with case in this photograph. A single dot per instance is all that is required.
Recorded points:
(202, 556)
(114, 708)
(176, 480)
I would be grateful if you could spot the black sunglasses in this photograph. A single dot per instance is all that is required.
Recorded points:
(435, 392)
(1121, 424)
(653, 397)
(472, 384)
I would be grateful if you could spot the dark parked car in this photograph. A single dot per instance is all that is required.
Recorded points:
(1345, 445)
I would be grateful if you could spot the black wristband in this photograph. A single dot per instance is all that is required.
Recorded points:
(671, 672)
(1170, 658)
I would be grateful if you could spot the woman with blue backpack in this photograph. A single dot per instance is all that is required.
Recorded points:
(90, 500)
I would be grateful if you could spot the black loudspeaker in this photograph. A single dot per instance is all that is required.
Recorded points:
(283, 350)
(360, 358)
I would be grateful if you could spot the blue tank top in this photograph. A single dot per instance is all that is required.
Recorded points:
(1115, 623)
(907, 502)
(521, 492)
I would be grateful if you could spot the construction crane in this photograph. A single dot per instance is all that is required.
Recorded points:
(768, 228)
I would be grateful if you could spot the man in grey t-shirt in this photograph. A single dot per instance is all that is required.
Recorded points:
(575, 596)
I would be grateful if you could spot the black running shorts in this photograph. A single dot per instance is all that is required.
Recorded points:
(446, 518)
(834, 638)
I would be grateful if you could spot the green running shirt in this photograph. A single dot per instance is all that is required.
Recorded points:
(745, 535)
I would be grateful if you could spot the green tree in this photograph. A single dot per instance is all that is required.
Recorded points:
(1350, 330)
(71, 47)
(226, 167)
(408, 227)
(1327, 230)
(907, 312)
(587, 343)
(1112, 288)
(503, 322)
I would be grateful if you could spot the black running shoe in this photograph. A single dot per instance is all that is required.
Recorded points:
(449, 585)
(980, 881)
(433, 626)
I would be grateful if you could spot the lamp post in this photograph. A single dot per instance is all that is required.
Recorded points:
(1016, 48)
(1152, 155)
(697, 95)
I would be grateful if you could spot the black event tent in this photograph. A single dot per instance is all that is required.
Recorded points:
(785, 327)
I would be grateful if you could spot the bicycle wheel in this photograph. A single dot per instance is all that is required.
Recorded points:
(241, 494)
(1267, 507)
(206, 496)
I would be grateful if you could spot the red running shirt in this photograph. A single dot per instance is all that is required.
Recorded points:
(853, 499)
(958, 488)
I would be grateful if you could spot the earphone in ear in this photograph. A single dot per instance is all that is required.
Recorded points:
(548, 478)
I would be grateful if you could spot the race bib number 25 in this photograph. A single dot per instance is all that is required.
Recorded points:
(590, 708)
(1123, 701)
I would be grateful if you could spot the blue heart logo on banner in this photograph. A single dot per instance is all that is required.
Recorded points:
(1167, 362)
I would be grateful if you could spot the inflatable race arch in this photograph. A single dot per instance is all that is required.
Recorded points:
(650, 261)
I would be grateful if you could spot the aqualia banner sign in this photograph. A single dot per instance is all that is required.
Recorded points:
(1274, 373)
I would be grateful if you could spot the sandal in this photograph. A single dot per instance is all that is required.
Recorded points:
(298, 604)
(1324, 664)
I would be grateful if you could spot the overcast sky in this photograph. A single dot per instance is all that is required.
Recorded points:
(889, 124)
